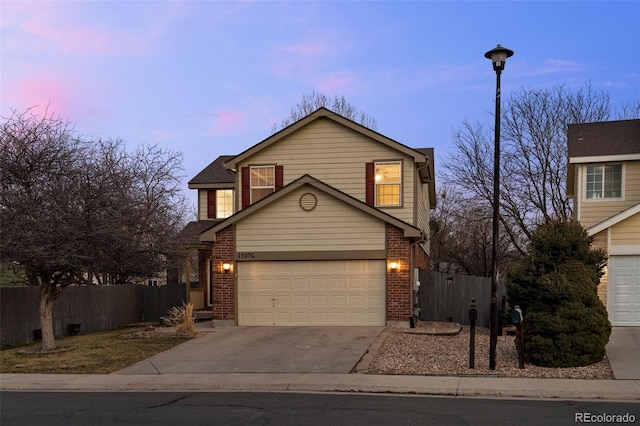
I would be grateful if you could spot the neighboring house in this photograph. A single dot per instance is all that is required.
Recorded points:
(321, 223)
(604, 182)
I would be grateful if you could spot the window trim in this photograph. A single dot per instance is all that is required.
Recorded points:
(603, 198)
(400, 183)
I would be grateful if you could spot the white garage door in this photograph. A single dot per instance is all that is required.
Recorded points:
(624, 290)
(350, 292)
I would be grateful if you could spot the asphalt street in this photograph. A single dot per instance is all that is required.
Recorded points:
(235, 408)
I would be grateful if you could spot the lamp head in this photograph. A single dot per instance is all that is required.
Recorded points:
(498, 56)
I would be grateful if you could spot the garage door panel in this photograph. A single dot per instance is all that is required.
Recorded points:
(320, 301)
(311, 293)
(359, 300)
(338, 283)
(338, 301)
(319, 283)
(624, 290)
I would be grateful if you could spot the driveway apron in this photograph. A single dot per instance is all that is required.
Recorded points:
(264, 350)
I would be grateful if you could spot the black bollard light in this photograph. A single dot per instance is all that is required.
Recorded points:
(473, 316)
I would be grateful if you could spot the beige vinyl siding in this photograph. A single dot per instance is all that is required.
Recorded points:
(593, 212)
(337, 156)
(331, 225)
(202, 204)
(627, 232)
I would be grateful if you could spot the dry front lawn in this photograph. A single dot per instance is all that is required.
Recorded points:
(95, 353)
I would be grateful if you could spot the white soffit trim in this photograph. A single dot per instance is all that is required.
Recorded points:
(604, 158)
(614, 219)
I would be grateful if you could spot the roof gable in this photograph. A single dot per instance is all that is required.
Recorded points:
(321, 113)
(409, 231)
(214, 173)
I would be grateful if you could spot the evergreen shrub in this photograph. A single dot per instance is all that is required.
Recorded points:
(565, 323)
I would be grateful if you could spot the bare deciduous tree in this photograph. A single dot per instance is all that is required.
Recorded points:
(534, 156)
(75, 210)
(337, 104)
(462, 243)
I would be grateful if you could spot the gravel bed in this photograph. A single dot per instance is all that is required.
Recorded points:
(423, 354)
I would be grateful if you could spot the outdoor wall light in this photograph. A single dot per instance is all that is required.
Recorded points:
(394, 266)
(226, 267)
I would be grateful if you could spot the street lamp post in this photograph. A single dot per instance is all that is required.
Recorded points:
(498, 56)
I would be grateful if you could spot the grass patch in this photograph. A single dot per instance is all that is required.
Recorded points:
(95, 353)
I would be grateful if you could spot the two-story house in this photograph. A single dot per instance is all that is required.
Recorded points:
(322, 223)
(604, 181)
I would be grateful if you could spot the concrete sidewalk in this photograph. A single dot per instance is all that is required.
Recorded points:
(566, 389)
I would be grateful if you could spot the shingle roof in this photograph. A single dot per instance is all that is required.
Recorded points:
(189, 235)
(604, 138)
(215, 172)
(427, 152)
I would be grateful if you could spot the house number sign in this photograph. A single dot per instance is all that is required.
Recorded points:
(246, 255)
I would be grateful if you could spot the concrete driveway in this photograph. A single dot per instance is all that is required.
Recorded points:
(623, 352)
(264, 350)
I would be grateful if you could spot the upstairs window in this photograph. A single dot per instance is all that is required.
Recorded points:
(388, 183)
(219, 203)
(224, 203)
(263, 182)
(604, 181)
(260, 181)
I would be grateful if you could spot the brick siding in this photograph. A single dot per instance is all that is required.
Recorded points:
(399, 292)
(223, 283)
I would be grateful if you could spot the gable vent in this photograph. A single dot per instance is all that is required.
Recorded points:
(308, 202)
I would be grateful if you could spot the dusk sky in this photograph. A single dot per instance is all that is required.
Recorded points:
(209, 78)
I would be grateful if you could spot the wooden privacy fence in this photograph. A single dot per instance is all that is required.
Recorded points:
(445, 300)
(96, 308)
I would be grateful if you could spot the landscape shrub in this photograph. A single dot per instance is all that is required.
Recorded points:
(181, 317)
(565, 323)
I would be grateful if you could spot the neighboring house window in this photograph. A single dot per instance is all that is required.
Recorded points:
(604, 181)
(219, 203)
(260, 181)
(388, 183)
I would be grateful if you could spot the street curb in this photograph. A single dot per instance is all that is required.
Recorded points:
(506, 388)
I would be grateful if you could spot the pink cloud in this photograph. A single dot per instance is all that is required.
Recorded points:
(79, 39)
(306, 56)
(162, 134)
(337, 82)
(43, 96)
(69, 28)
(70, 98)
(225, 121)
